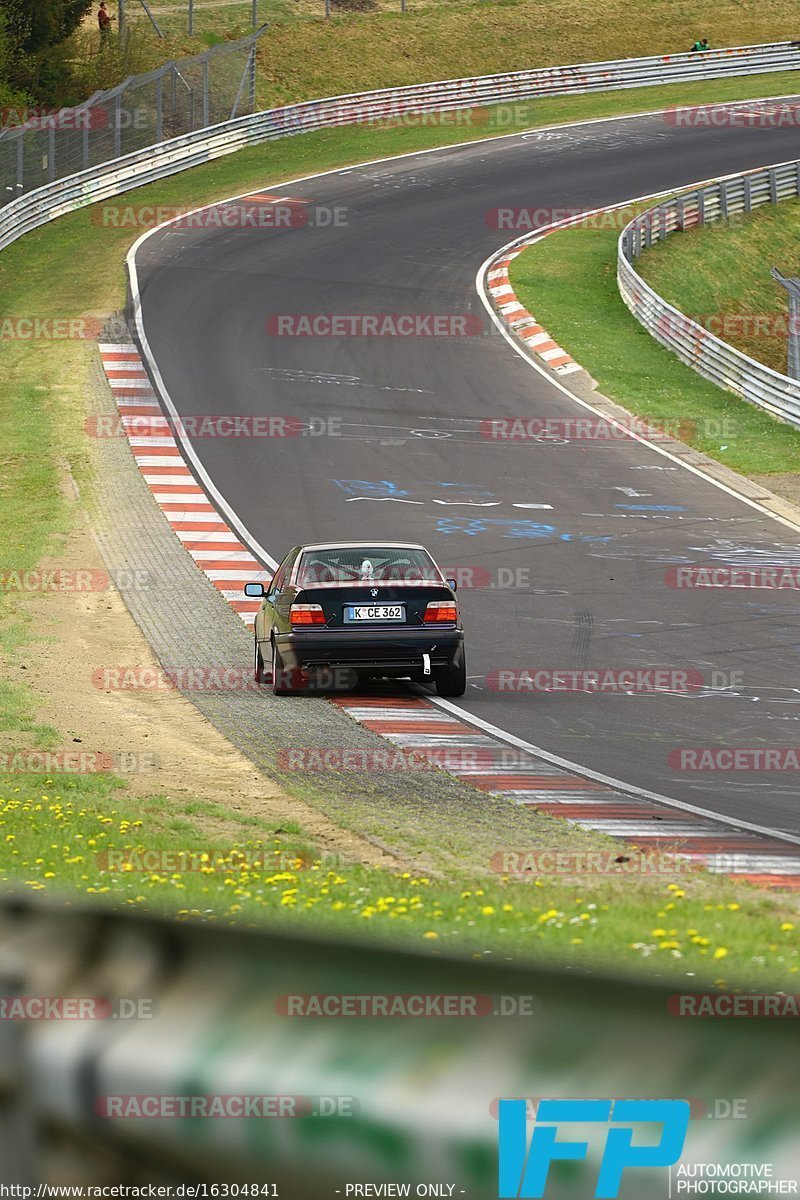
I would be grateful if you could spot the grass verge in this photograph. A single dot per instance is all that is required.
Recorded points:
(73, 269)
(303, 55)
(719, 274)
(78, 835)
(568, 280)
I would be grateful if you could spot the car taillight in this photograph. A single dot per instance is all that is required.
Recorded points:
(440, 612)
(306, 614)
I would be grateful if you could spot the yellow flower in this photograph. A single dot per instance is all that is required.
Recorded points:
(430, 934)
(733, 907)
(720, 952)
(657, 932)
(787, 927)
(487, 910)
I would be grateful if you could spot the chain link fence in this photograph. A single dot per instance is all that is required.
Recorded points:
(176, 99)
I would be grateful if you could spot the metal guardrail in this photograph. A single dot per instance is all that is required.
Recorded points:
(35, 208)
(422, 1090)
(695, 345)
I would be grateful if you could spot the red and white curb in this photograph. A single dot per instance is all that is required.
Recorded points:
(521, 321)
(208, 538)
(414, 724)
(418, 727)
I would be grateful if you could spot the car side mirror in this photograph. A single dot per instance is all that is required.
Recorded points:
(451, 583)
(254, 590)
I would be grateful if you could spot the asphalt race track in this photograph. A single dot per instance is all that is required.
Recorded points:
(403, 456)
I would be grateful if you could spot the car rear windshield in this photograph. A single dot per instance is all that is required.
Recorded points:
(370, 564)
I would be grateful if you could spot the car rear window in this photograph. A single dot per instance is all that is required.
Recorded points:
(371, 564)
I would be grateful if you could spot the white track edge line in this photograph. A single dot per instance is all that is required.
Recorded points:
(629, 788)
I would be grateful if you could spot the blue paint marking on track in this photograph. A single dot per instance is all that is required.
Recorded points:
(652, 507)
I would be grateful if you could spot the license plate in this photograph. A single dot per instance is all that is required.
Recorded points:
(375, 612)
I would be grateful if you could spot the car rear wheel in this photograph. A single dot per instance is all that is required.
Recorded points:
(452, 680)
(279, 687)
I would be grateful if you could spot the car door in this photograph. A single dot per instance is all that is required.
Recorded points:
(276, 601)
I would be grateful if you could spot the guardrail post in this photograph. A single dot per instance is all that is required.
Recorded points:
(327, 8)
(160, 109)
(252, 77)
(205, 92)
(648, 230)
(773, 186)
(747, 194)
(792, 287)
(679, 213)
(51, 154)
(701, 207)
(118, 125)
(723, 201)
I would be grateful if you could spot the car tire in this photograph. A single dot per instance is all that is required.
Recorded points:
(452, 680)
(278, 673)
(259, 673)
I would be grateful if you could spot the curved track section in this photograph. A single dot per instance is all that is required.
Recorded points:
(570, 544)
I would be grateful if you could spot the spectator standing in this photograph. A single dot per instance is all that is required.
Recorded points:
(104, 20)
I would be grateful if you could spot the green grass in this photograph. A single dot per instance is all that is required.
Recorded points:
(723, 270)
(74, 268)
(80, 835)
(568, 281)
(304, 56)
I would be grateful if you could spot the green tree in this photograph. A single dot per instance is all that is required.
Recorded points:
(11, 95)
(38, 32)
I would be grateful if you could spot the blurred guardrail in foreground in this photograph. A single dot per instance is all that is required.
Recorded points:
(695, 345)
(383, 1098)
(149, 163)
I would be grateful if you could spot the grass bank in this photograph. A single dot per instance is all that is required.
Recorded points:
(720, 275)
(78, 835)
(303, 55)
(568, 281)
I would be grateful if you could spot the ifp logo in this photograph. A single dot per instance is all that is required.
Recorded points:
(524, 1170)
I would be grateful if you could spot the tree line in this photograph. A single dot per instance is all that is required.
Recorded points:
(37, 59)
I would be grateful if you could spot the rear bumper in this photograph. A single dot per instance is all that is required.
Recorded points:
(392, 651)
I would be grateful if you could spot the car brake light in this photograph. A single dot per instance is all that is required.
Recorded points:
(439, 612)
(306, 614)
